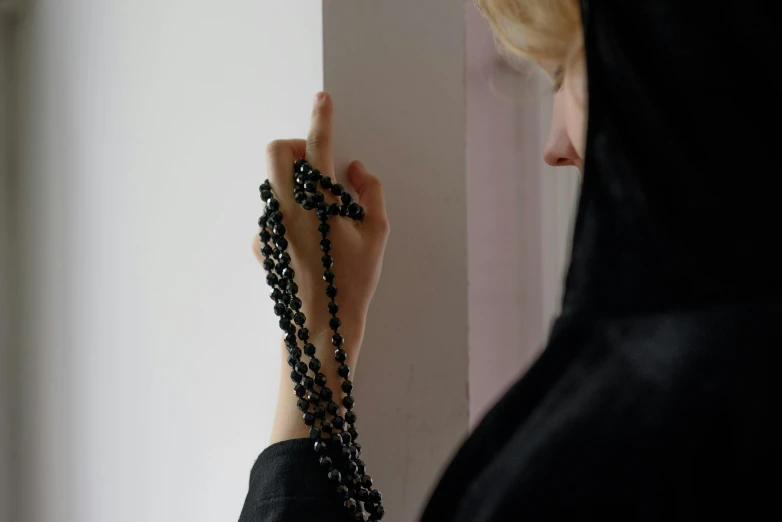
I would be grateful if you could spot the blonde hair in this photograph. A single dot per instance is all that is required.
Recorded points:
(543, 31)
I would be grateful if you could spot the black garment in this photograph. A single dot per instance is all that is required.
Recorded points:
(653, 399)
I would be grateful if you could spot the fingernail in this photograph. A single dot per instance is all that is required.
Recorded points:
(319, 97)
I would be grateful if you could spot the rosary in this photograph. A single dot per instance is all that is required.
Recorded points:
(336, 435)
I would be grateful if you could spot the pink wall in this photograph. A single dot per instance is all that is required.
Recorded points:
(506, 323)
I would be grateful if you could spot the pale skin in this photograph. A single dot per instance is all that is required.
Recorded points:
(359, 246)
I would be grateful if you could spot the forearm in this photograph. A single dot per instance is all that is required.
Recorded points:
(288, 423)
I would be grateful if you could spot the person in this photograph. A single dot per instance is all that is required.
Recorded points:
(653, 397)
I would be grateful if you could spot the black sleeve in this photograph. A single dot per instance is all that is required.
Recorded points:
(288, 485)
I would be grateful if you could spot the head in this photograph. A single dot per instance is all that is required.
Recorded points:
(549, 33)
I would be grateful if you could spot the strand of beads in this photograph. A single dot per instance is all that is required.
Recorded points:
(336, 435)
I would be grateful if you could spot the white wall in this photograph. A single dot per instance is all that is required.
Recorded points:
(149, 349)
(396, 72)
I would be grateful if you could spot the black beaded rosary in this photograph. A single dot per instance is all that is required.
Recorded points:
(336, 435)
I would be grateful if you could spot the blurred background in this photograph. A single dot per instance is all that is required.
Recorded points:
(138, 349)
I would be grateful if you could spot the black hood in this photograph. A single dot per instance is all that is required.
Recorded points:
(680, 201)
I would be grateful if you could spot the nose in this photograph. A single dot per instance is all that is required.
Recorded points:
(559, 150)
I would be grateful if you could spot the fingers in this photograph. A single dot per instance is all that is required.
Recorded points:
(370, 194)
(319, 140)
(280, 155)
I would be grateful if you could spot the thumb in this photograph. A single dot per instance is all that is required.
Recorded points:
(370, 195)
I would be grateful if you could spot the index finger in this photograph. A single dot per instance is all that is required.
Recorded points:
(319, 152)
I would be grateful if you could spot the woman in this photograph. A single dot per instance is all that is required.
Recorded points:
(653, 398)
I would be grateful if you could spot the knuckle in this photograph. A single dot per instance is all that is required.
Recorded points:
(318, 137)
(275, 147)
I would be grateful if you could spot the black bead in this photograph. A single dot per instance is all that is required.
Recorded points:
(344, 210)
(301, 179)
(348, 402)
(331, 291)
(279, 309)
(332, 408)
(337, 189)
(325, 182)
(326, 394)
(333, 307)
(299, 196)
(276, 252)
(309, 419)
(275, 293)
(282, 243)
(325, 245)
(308, 382)
(319, 413)
(338, 422)
(280, 229)
(327, 261)
(325, 462)
(321, 446)
(350, 417)
(266, 194)
(358, 448)
(326, 426)
(301, 368)
(346, 440)
(367, 482)
(346, 198)
(284, 257)
(361, 213)
(265, 185)
(285, 324)
(362, 468)
(375, 496)
(352, 468)
(351, 505)
(266, 250)
(314, 364)
(320, 379)
(353, 432)
(299, 390)
(345, 451)
(314, 432)
(335, 323)
(322, 215)
(308, 204)
(343, 491)
(353, 453)
(279, 268)
(336, 442)
(295, 352)
(315, 175)
(273, 204)
(334, 209)
(291, 326)
(286, 299)
(328, 275)
(292, 362)
(310, 187)
(262, 221)
(293, 288)
(353, 210)
(275, 217)
(264, 235)
(303, 405)
(343, 371)
(335, 475)
(309, 349)
(324, 229)
(298, 164)
(299, 318)
(290, 340)
(340, 355)
(347, 386)
(295, 377)
(295, 303)
(313, 397)
(337, 340)
(271, 279)
(318, 198)
(362, 494)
